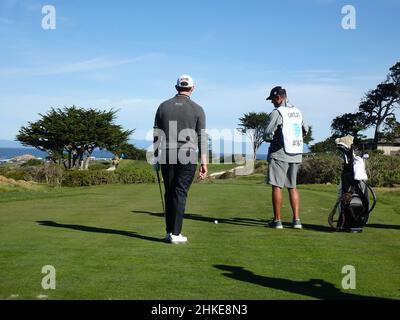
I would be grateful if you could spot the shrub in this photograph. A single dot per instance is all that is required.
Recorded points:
(100, 165)
(75, 178)
(383, 171)
(320, 169)
(81, 178)
(227, 175)
(16, 173)
(32, 163)
(138, 175)
(51, 173)
(261, 167)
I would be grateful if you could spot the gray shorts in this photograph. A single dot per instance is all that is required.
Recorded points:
(282, 174)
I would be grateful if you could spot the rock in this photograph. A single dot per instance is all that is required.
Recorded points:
(227, 175)
(24, 157)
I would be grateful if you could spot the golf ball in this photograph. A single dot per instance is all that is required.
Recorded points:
(216, 221)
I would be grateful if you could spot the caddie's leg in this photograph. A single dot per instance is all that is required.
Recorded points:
(277, 201)
(294, 202)
(291, 184)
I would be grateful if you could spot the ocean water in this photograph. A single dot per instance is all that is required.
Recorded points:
(8, 153)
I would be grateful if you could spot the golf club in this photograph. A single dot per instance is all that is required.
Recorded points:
(161, 194)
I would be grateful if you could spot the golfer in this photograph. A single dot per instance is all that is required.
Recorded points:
(285, 133)
(179, 133)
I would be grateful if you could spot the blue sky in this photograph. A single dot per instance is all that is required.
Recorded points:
(127, 55)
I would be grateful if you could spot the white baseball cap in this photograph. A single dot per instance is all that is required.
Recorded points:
(185, 81)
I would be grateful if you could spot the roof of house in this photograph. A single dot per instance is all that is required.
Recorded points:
(395, 142)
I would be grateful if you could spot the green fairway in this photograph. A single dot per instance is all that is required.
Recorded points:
(106, 242)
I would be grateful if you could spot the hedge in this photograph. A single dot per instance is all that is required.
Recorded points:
(77, 178)
(383, 171)
(320, 169)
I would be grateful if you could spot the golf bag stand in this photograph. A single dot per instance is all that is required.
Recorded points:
(353, 203)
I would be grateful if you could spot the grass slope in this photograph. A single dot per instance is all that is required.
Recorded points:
(106, 242)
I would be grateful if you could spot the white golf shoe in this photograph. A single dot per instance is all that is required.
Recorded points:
(178, 239)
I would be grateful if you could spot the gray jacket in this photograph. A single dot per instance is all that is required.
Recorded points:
(178, 114)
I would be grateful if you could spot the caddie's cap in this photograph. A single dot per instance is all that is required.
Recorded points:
(277, 91)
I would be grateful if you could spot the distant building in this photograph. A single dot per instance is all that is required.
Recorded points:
(390, 148)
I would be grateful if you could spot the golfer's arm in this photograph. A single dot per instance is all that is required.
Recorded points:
(202, 139)
(156, 137)
(204, 160)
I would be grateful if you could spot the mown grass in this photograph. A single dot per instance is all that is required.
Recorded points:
(106, 242)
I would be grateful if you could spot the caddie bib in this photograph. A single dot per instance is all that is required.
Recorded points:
(292, 129)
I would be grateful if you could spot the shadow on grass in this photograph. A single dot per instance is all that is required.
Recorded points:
(238, 221)
(315, 288)
(312, 227)
(198, 217)
(383, 226)
(99, 230)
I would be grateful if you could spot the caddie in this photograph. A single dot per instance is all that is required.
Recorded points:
(285, 132)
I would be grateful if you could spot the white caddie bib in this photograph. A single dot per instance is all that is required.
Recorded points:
(292, 129)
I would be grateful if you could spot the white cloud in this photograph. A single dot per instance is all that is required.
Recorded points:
(81, 66)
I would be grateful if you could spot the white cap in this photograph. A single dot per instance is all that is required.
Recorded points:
(185, 81)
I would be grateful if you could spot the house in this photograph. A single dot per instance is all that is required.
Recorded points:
(390, 148)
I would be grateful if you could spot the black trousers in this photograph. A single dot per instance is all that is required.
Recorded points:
(177, 181)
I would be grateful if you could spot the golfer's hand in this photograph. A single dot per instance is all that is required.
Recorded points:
(203, 171)
(156, 166)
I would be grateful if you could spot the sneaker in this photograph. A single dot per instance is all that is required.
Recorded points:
(297, 224)
(178, 239)
(276, 224)
(168, 237)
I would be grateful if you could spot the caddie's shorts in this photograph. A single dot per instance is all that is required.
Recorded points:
(282, 173)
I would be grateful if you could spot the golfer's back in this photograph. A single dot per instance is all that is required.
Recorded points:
(182, 122)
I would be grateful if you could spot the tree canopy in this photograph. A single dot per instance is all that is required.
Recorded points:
(74, 131)
(377, 110)
(379, 104)
(308, 137)
(129, 151)
(328, 145)
(349, 124)
(253, 124)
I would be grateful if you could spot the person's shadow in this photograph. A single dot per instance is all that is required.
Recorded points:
(383, 226)
(249, 222)
(99, 230)
(315, 288)
(199, 217)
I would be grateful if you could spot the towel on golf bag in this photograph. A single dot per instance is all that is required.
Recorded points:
(359, 169)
